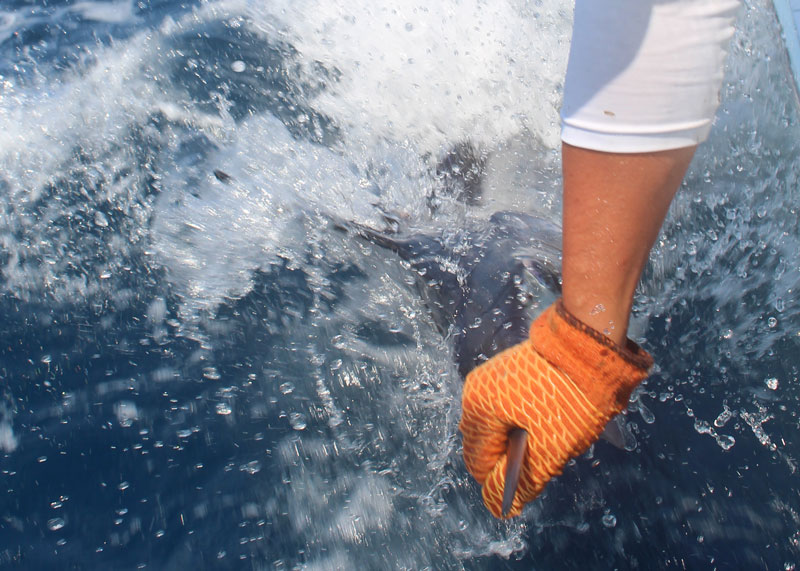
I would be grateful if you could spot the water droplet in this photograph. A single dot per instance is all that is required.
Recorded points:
(599, 308)
(702, 427)
(100, 219)
(723, 417)
(298, 421)
(126, 413)
(251, 468)
(56, 523)
(725, 442)
(646, 413)
(609, 520)
(211, 373)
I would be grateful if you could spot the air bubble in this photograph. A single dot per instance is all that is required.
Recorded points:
(238, 66)
(771, 383)
(286, 388)
(772, 322)
(609, 520)
(56, 523)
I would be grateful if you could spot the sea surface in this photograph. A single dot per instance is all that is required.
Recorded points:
(200, 369)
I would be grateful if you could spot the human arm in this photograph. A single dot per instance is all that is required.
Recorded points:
(640, 94)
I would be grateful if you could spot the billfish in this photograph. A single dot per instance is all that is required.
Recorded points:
(483, 287)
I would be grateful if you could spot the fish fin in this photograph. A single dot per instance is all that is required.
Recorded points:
(517, 446)
(618, 434)
(222, 176)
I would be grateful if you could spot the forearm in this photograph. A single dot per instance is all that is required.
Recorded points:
(640, 94)
(614, 205)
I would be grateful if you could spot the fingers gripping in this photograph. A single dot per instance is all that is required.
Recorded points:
(561, 386)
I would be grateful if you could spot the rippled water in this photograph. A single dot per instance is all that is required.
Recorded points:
(203, 369)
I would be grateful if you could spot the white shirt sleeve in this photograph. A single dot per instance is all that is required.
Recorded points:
(645, 75)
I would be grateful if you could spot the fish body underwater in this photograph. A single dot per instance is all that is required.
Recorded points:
(483, 285)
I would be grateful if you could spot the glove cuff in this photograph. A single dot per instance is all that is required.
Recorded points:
(605, 372)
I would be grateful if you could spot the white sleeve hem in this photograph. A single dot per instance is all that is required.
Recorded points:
(634, 142)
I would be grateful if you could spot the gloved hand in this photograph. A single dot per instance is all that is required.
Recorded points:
(562, 385)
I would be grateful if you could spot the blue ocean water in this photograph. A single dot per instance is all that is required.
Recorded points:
(202, 369)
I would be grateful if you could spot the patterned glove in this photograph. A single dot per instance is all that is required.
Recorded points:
(562, 385)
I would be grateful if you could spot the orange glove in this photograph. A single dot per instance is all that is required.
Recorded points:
(562, 385)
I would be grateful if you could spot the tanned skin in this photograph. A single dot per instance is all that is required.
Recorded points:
(614, 205)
